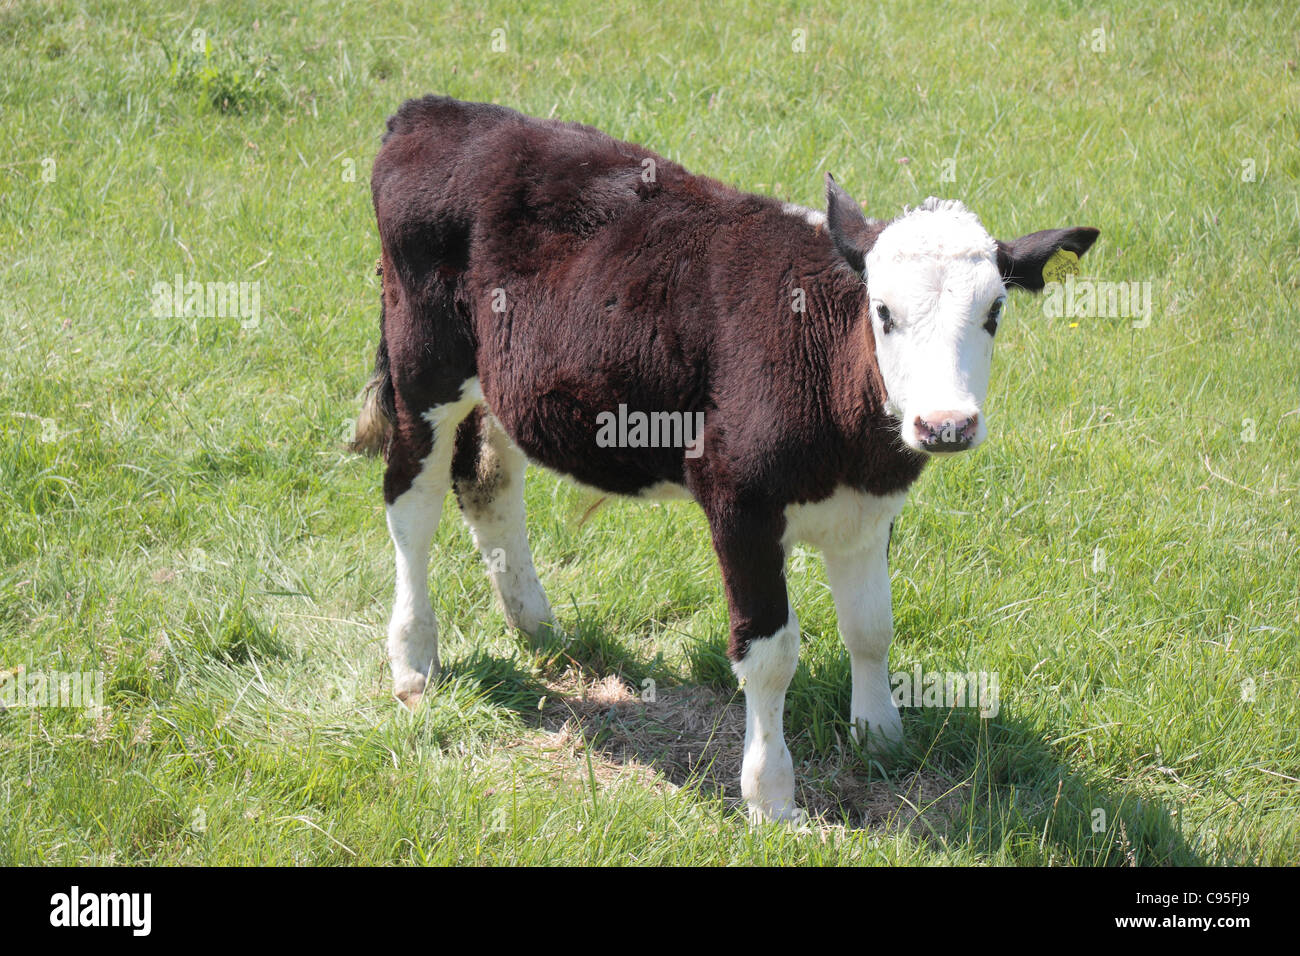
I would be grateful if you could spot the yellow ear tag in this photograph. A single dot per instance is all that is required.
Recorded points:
(1062, 263)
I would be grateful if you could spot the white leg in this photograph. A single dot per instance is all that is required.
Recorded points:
(860, 586)
(767, 774)
(493, 506)
(412, 520)
(412, 630)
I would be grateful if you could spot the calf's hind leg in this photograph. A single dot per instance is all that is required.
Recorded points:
(488, 475)
(415, 485)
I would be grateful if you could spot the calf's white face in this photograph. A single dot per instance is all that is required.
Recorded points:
(935, 296)
(936, 283)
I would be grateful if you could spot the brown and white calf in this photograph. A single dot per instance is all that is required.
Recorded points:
(540, 276)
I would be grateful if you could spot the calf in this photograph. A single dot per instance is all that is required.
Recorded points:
(540, 277)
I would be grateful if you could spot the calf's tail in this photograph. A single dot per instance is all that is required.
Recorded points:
(378, 411)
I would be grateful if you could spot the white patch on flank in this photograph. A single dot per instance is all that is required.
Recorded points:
(935, 269)
(412, 521)
(767, 773)
(813, 217)
(471, 393)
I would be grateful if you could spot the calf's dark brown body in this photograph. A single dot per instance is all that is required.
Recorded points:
(572, 273)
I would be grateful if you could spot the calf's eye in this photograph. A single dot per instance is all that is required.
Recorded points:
(991, 323)
(886, 320)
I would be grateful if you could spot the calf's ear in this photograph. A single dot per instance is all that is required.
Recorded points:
(1021, 260)
(852, 232)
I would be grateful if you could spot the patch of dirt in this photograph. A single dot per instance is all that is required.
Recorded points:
(695, 736)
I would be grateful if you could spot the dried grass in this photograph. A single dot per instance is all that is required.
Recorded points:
(694, 736)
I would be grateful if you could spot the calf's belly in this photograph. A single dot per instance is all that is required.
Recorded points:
(562, 432)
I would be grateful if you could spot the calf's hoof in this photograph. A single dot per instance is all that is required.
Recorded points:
(767, 784)
(409, 688)
(882, 736)
(789, 814)
(410, 699)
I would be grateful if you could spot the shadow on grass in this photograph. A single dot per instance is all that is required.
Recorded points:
(993, 785)
(500, 681)
(1016, 796)
(589, 651)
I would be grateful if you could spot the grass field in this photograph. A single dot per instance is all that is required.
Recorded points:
(178, 511)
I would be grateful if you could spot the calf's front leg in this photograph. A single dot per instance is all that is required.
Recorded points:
(859, 580)
(764, 650)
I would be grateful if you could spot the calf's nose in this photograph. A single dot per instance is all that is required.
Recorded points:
(945, 431)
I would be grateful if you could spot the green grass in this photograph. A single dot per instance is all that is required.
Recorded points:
(178, 510)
